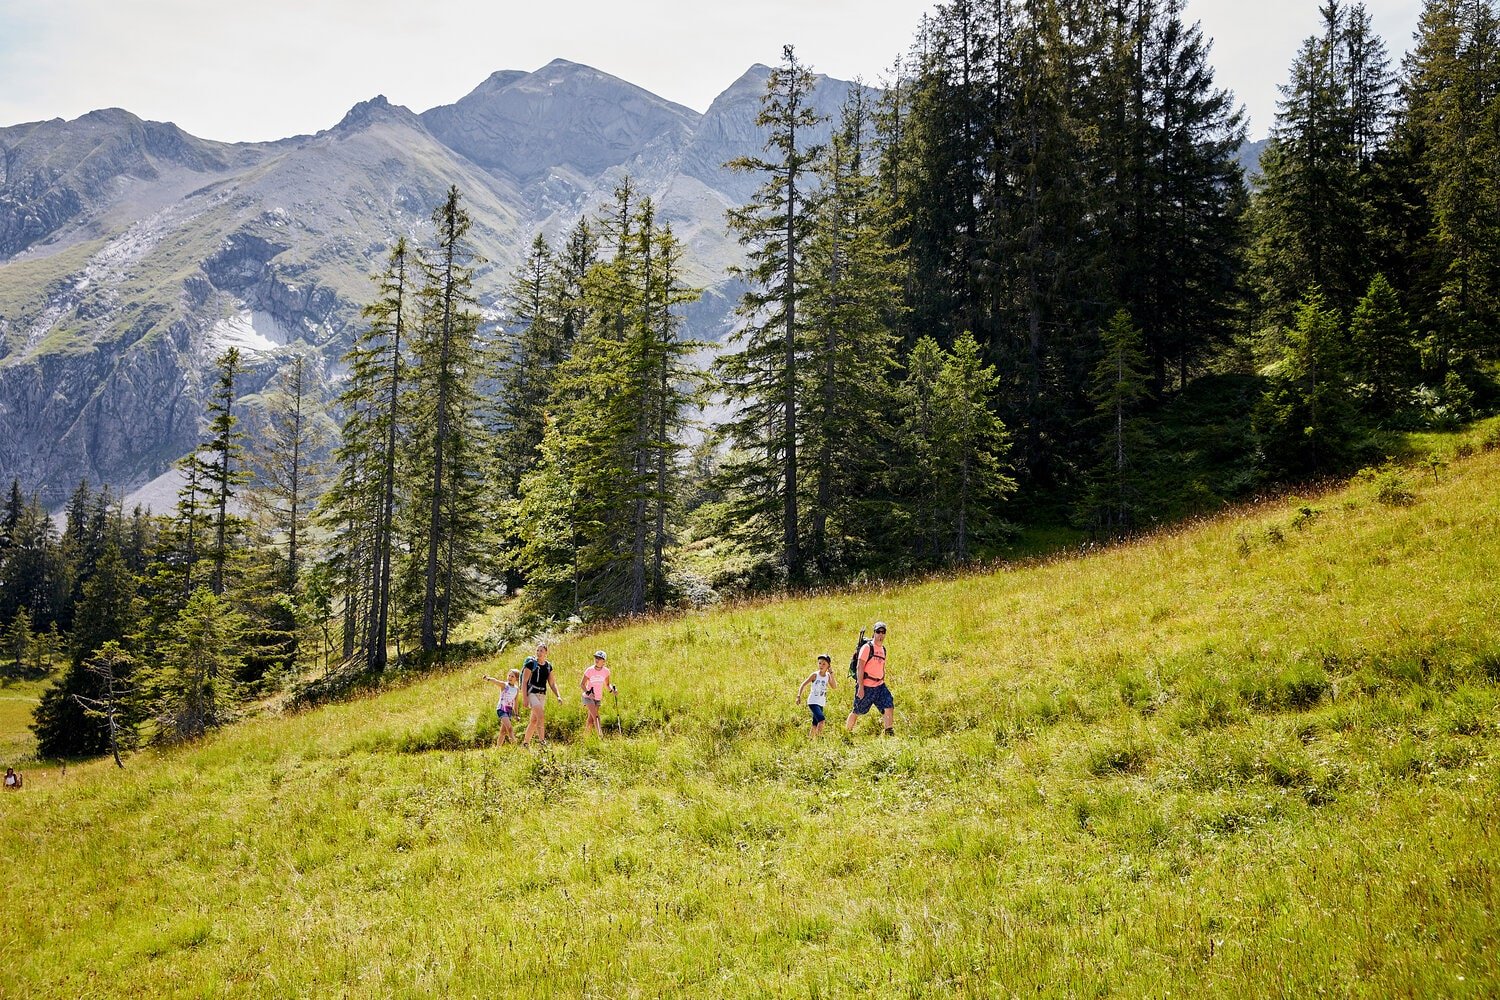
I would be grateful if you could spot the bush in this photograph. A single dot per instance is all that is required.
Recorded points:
(1387, 486)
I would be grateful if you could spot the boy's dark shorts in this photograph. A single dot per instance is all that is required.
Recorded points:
(878, 696)
(817, 714)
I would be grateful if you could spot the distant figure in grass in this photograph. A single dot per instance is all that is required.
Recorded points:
(505, 708)
(869, 683)
(817, 686)
(536, 678)
(595, 682)
(12, 780)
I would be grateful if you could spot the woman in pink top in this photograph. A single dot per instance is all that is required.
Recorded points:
(595, 683)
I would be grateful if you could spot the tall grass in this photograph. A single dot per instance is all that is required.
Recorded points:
(1256, 757)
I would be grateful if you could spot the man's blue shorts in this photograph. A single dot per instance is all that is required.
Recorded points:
(817, 714)
(878, 696)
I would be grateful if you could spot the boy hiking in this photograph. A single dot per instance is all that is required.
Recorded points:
(595, 682)
(817, 686)
(505, 708)
(869, 684)
(536, 678)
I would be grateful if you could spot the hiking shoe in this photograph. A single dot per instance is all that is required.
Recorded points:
(890, 732)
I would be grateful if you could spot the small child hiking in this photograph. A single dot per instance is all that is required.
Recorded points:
(817, 686)
(505, 708)
(595, 682)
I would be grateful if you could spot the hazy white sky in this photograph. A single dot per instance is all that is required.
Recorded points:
(266, 69)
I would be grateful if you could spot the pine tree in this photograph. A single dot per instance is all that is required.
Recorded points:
(971, 447)
(114, 709)
(619, 400)
(359, 510)
(224, 470)
(64, 721)
(106, 611)
(1114, 501)
(546, 512)
(18, 641)
(1170, 149)
(448, 450)
(33, 574)
(288, 459)
(763, 375)
(528, 357)
(192, 689)
(1451, 132)
(1382, 340)
(1312, 218)
(918, 468)
(1307, 421)
(852, 298)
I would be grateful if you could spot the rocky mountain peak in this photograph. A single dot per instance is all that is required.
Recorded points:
(376, 109)
(564, 115)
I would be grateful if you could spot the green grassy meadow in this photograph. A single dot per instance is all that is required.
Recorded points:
(1254, 757)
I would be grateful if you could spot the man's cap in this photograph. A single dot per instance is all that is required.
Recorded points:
(825, 656)
(599, 655)
(880, 626)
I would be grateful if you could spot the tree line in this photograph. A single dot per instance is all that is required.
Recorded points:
(1023, 281)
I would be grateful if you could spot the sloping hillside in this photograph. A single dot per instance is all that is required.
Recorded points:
(1256, 757)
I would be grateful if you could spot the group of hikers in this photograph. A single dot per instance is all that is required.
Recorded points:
(535, 678)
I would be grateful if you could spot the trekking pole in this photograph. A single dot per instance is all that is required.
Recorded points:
(619, 726)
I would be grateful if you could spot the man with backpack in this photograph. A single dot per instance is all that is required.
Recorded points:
(869, 682)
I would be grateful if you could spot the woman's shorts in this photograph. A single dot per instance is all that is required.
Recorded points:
(591, 702)
(536, 701)
(817, 714)
(878, 696)
(506, 714)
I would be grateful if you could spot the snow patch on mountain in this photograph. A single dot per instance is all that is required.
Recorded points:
(252, 331)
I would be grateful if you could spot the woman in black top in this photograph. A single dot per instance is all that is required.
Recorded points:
(536, 678)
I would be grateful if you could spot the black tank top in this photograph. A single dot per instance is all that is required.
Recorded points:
(539, 674)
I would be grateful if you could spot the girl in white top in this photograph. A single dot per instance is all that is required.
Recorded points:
(505, 708)
(817, 687)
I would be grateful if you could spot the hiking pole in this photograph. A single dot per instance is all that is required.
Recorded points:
(619, 726)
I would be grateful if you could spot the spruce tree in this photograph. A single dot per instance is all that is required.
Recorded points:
(191, 689)
(762, 377)
(971, 449)
(919, 466)
(1451, 129)
(852, 298)
(448, 450)
(1115, 500)
(529, 354)
(1312, 217)
(1307, 422)
(224, 471)
(115, 707)
(288, 459)
(1384, 351)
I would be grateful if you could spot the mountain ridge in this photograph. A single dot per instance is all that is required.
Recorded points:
(131, 251)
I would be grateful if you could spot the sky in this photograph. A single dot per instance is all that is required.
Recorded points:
(265, 69)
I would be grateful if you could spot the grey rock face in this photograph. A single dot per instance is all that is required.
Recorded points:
(54, 171)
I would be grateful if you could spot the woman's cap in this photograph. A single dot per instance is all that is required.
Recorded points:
(599, 655)
(880, 626)
(825, 656)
